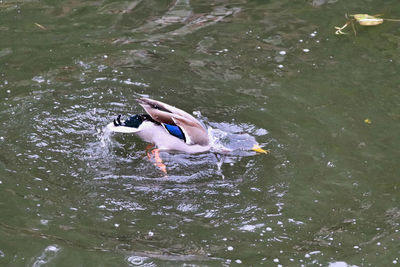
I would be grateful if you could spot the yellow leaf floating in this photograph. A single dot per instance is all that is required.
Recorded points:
(362, 19)
(258, 149)
(40, 26)
(367, 121)
(367, 20)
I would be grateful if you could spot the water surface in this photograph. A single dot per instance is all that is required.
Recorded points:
(271, 71)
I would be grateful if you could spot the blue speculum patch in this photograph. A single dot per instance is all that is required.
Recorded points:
(175, 131)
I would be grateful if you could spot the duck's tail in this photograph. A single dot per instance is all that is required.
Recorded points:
(130, 125)
(117, 121)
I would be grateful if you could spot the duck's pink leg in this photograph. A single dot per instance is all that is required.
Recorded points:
(148, 150)
(157, 159)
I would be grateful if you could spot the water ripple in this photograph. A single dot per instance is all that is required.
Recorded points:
(49, 253)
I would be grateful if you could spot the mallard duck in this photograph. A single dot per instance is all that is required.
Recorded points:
(167, 127)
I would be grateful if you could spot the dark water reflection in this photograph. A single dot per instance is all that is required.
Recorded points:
(72, 194)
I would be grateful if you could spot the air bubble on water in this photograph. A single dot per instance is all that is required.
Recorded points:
(52, 249)
(136, 260)
(38, 79)
(330, 164)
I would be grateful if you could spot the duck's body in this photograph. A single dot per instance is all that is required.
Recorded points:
(168, 127)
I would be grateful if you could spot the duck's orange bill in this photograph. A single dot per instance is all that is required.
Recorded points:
(258, 149)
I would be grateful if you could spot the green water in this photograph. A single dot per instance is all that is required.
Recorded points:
(326, 195)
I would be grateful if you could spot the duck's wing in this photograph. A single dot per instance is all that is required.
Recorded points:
(163, 112)
(193, 130)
